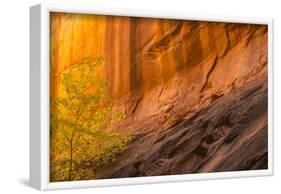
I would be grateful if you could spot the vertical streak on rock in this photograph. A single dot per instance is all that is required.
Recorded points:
(117, 54)
(134, 79)
(109, 46)
(124, 60)
(116, 48)
(54, 50)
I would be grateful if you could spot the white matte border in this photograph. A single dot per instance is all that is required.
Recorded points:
(43, 159)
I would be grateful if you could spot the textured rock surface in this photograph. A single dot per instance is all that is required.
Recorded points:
(194, 93)
(230, 134)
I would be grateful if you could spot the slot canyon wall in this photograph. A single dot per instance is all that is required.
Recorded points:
(194, 93)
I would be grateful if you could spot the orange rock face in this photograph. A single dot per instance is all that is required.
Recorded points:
(194, 93)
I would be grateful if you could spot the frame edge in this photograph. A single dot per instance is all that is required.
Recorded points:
(35, 102)
(39, 148)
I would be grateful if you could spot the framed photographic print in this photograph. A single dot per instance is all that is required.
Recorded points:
(124, 96)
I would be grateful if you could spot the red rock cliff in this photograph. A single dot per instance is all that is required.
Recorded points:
(194, 93)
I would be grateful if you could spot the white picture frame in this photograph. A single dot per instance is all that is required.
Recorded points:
(39, 96)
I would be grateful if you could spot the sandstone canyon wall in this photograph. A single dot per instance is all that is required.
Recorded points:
(194, 93)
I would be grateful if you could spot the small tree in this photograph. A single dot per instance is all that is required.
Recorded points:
(79, 119)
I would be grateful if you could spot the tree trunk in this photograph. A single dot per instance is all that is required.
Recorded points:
(70, 162)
